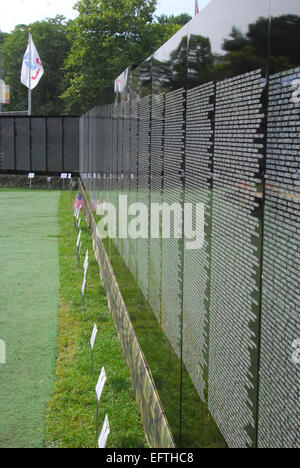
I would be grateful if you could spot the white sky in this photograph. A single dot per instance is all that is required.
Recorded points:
(176, 7)
(14, 12)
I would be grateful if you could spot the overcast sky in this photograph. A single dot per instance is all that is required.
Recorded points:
(14, 12)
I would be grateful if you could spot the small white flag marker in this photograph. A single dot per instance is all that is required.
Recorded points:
(93, 337)
(86, 262)
(83, 286)
(78, 239)
(92, 342)
(100, 384)
(105, 431)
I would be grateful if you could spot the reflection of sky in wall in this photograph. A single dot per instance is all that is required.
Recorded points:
(228, 13)
(219, 16)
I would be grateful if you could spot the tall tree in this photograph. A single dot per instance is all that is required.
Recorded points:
(53, 46)
(107, 37)
(181, 20)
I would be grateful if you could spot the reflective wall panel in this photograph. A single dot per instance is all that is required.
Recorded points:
(71, 144)
(200, 116)
(236, 252)
(7, 143)
(38, 145)
(207, 120)
(54, 144)
(279, 422)
(156, 195)
(22, 144)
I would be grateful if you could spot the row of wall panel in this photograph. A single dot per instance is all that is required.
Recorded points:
(39, 144)
(230, 308)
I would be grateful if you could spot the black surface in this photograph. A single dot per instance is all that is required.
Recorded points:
(221, 121)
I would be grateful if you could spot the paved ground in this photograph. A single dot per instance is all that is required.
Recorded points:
(29, 272)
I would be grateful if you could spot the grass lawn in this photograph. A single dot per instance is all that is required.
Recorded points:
(29, 271)
(71, 413)
(41, 318)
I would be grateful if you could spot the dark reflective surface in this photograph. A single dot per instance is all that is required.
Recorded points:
(204, 120)
(22, 144)
(40, 144)
(7, 132)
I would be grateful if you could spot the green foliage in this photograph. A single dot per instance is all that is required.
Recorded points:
(83, 57)
(107, 37)
(53, 46)
(110, 35)
(181, 20)
(2, 37)
(71, 414)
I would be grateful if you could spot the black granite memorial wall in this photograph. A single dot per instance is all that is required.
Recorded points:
(45, 145)
(209, 125)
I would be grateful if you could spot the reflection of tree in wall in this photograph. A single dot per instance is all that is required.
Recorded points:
(248, 52)
(142, 80)
(178, 64)
(162, 75)
(200, 60)
(243, 53)
(197, 55)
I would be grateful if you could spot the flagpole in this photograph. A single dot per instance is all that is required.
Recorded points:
(30, 64)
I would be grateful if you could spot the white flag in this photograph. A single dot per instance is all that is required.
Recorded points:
(121, 81)
(37, 69)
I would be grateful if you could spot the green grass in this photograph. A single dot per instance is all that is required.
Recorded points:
(28, 316)
(198, 429)
(190, 421)
(71, 414)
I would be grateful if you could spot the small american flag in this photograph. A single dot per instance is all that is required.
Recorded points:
(79, 203)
